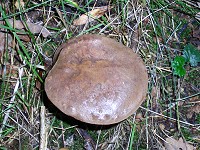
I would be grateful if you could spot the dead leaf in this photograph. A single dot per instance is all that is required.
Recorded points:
(91, 15)
(34, 28)
(17, 24)
(2, 43)
(172, 144)
(192, 110)
(196, 33)
(19, 4)
(162, 126)
(5, 39)
(7, 69)
(139, 116)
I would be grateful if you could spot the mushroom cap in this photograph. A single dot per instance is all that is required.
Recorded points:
(97, 80)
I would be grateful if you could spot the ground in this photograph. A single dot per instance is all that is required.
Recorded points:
(165, 33)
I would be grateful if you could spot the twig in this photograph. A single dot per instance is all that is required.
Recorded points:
(43, 129)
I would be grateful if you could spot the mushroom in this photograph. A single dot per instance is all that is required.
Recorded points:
(96, 80)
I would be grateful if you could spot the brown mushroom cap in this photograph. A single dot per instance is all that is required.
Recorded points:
(97, 80)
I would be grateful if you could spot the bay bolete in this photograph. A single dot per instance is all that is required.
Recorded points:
(96, 80)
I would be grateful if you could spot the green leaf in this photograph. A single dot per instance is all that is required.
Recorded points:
(178, 66)
(191, 54)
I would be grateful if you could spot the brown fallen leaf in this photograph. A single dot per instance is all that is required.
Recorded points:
(19, 3)
(5, 39)
(172, 144)
(192, 110)
(7, 69)
(91, 15)
(196, 33)
(34, 28)
(17, 24)
(2, 43)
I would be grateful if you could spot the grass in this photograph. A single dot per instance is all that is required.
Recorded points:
(157, 30)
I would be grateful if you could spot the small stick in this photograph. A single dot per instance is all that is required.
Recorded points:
(43, 133)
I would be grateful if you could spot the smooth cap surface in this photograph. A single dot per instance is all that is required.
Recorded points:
(97, 80)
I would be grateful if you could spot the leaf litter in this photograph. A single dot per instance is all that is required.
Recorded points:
(21, 27)
(173, 144)
(91, 15)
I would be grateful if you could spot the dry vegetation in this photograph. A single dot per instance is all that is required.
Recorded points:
(157, 30)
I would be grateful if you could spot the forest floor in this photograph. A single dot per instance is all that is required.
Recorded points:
(166, 35)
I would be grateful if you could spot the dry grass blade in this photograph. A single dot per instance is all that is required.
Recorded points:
(7, 113)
